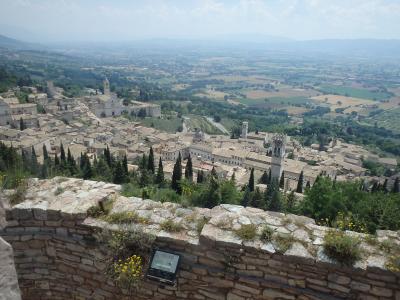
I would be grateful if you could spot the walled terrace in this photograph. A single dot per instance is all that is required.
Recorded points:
(58, 254)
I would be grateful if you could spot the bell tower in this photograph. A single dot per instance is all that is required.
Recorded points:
(245, 130)
(278, 155)
(106, 87)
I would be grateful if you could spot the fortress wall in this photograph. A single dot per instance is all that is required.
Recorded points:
(57, 257)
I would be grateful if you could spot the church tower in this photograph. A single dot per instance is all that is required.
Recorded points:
(106, 87)
(278, 155)
(245, 130)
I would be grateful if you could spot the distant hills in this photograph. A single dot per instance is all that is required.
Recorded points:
(7, 42)
(343, 47)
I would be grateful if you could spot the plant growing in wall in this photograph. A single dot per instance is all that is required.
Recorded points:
(341, 247)
(129, 250)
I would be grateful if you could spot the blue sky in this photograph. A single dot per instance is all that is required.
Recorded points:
(122, 20)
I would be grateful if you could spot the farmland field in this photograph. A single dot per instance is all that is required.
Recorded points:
(276, 101)
(349, 104)
(282, 92)
(354, 92)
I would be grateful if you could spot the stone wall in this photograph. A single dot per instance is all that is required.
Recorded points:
(57, 256)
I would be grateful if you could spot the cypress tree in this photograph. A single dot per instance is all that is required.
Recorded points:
(25, 160)
(56, 161)
(213, 195)
(150, 161)
(264, 178)
(71, 163)
(272, 196)
(124, 165)
(214, 173)
(299, 188)
(257, 199)
(44, 171)
(251, 181)
(21, 124)
(269, 176)
(177, 175)
(282, 180)
(290, 202)
(375, 187)
(189, 169)
(385, 186)
(62, 155)
(160, 173)
(118, 176)
(87, 169)
(246, 200)
(45, 153)
(200, 176)
(233, 177)
(143, 162)
(396, 186)
(107, 155)
(34, 162)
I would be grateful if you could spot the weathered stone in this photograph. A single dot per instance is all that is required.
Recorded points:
(277, 294)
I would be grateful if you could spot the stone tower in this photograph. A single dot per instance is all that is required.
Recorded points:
(245, 130)
(278, 153)
(106, 86)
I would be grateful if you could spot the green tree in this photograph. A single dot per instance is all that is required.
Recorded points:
(118, 175)
(160, 173)
(213, 195)
(34, 162)
(396, 186)
(290, 202)
(62, 156)
(177, 175)
(107, 155)
(200, 176)
(247, 197)
(71, 163)
(299, 188)
(45, 154)
(124, 166)
(21, 124)
(282, 180)
(150, 161)
(233, 178)
(272, 196)
(257, 199)
(264, 178)
(189, 169)
(251, 181)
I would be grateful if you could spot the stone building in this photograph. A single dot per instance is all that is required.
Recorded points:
(245, 130)
(278, 155)
(109, 105)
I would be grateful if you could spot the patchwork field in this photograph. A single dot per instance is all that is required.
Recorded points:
(276, 101)
(349, 104)
(282, 92)
(354, 92)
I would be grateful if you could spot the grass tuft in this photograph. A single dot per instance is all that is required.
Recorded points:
(247, 232)
(341, 247)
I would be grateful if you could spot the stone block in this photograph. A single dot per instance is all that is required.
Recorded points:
(273, 294)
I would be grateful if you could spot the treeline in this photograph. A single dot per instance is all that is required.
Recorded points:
(347, 205)
(15, 167)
